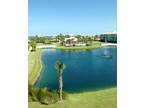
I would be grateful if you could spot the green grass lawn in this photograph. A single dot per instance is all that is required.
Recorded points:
(79, 47)
(34, 65)
(106, 98)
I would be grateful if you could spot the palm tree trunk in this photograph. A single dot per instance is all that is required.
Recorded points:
(60, 87)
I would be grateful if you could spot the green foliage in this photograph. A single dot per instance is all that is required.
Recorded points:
(65, 95)
(62, 43)
(32, 93)
(47, 41)
(38, 39)
(61, 38)
(106, 98)
(87, 44)
(94, 46)
(43, 95)
(33, 45)
(60, 66)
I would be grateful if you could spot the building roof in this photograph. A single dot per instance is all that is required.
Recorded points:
(71, 38)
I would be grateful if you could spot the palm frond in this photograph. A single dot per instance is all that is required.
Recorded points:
(60, 66)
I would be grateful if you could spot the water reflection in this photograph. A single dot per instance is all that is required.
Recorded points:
(106, 53)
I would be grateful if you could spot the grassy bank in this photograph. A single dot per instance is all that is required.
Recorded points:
(106, 98)
(79, 47)
(34, 66)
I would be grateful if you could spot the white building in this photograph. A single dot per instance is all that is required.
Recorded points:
(73, 41)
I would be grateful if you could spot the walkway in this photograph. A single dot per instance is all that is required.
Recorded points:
(109, 44)
(46, 46)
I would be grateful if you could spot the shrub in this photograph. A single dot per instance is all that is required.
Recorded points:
(54, 97)
(43, 95)
(65, 95)
(87, 44)
(32, 93)
(33, 45)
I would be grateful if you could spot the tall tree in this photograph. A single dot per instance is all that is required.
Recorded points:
(60, 66)
(61, 38)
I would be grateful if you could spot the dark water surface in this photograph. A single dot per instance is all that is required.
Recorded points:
(85, 69)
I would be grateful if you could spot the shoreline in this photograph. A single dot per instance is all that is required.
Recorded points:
(36, 71)
(40, 69)
(79, 47)
(35, 66)
(90, 89)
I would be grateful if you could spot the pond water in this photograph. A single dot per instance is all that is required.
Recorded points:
(85, 69)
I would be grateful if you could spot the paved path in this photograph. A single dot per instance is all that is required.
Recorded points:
(46, 46)
(109, 44)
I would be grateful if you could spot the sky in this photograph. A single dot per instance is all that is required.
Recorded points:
(52, 17)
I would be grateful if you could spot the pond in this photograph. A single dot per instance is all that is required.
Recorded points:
(85, 69)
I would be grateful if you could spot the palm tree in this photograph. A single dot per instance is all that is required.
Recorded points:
(60, 67)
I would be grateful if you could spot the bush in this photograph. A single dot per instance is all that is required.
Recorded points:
(32, 93)
(47, 42)
(43, 95)
(87, 44)
(65, 95)
(33, 45)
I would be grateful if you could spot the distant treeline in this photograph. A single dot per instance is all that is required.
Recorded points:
(112, 38)
(44, 39)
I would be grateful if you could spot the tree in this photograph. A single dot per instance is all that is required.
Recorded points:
(33, 45)
(60, 66)
(61, 38)
(90, 40)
